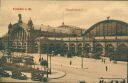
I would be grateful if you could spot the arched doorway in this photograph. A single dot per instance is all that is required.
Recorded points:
(65, 49)
(121, 53)
(79, 49)
(87, 48)
(109, 49)
(122, 49)
(44, 48)
(98, 48)
(56, 49)
(51, 48)
(71, 51)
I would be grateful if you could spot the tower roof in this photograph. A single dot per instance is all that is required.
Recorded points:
(30, 22)
(20, 18)
(10, 25)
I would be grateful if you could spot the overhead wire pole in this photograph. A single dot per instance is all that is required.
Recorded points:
(47, 59)
(50, 62)
(39, 46)
(81, 61)
(51, 49)
(39, 49)
(82, 54)
(8, 43)
(47, 54)
(26, 43)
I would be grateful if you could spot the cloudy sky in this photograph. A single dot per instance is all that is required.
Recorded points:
(78, 13)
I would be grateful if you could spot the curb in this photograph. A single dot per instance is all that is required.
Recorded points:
(60, 76)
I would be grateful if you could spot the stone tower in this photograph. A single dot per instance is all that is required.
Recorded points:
(30, 24)
(9, 27)
(20, 18)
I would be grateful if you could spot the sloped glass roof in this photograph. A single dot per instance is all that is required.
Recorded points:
(108, 28)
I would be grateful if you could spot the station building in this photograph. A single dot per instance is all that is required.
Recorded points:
(107, 37)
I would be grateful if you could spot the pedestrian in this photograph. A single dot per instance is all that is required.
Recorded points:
(106, 68)
(42, 58)
(70, 63)
(104, 60)
(123, 81)
(39, 59)
(116, 81)
(110, 59)
(101, 81)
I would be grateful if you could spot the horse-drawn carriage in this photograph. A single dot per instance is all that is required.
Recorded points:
(18, 75)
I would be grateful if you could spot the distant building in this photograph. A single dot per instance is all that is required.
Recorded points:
(22, 36)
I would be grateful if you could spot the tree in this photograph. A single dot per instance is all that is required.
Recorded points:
(3, 60)
(44, 63)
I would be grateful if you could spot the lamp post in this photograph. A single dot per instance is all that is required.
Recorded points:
(51, 62)
(82, 53)
(82, 58)
(39, 50)
(47, 58)
(27, 36)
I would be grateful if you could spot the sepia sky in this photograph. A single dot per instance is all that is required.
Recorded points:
(78, 13)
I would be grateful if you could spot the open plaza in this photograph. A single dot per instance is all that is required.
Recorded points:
(63, 72)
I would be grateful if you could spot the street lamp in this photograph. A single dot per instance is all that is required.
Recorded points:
(82, 53)
(82, 58)
(47, 58)
(39, 49)
(51, 62)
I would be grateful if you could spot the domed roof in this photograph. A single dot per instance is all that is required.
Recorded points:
(64, 26)
(22, 25)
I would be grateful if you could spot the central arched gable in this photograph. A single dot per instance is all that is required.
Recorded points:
(108, 28)
(17, 32)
